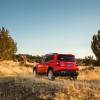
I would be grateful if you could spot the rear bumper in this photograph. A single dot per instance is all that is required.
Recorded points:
(66, 73)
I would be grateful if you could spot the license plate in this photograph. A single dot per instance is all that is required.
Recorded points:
(68, 65)
(63, 72)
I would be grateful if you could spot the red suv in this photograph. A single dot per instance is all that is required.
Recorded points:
(57, 65)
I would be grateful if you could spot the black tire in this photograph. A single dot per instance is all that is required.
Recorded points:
(51, 75)
(73, 78)
(34, 73)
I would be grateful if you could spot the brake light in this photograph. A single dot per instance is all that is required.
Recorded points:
(57, 63)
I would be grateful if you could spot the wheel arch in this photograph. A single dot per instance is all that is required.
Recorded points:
(34, 68)
(50, 68)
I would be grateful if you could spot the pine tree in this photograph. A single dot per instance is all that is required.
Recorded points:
(95, 45)
(7, 45)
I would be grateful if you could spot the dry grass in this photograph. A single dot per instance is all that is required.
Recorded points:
(88, 74)
(22, 86)
(10, 68)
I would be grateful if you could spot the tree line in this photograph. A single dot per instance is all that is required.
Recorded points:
(8, 49)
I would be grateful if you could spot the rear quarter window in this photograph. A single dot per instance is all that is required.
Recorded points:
(49, 58)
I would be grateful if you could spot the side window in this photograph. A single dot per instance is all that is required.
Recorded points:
(49, 58)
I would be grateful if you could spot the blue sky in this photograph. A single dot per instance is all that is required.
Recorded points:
(45, 26)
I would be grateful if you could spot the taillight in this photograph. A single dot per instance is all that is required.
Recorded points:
(57, 63)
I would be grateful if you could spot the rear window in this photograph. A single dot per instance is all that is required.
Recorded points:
(67, 58)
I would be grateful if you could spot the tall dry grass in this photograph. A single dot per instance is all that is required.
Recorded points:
(22, 86)
(10, 68)
(89, 73)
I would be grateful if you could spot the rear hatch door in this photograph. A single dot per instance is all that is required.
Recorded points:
(67, 62)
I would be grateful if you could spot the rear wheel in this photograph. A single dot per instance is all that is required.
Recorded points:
(51, 75)
(73, 78)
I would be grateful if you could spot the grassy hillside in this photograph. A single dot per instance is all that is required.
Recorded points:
(17, 83)
(10, 68)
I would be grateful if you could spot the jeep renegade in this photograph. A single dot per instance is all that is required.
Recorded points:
(55, 64)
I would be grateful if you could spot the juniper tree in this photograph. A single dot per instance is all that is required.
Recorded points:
(95, 45)
(7, 45)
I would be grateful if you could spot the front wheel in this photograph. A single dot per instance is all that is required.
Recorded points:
(51, 75)
(34, 73)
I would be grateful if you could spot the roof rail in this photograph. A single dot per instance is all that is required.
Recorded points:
(51, 53)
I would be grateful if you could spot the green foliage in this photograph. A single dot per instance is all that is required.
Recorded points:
(96, 63)
(79, 62)
(88, 60)
(95, 45)
(7, 45)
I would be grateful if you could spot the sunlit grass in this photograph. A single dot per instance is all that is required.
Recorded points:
(10, 68)
(22, 86)
(87, 74)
